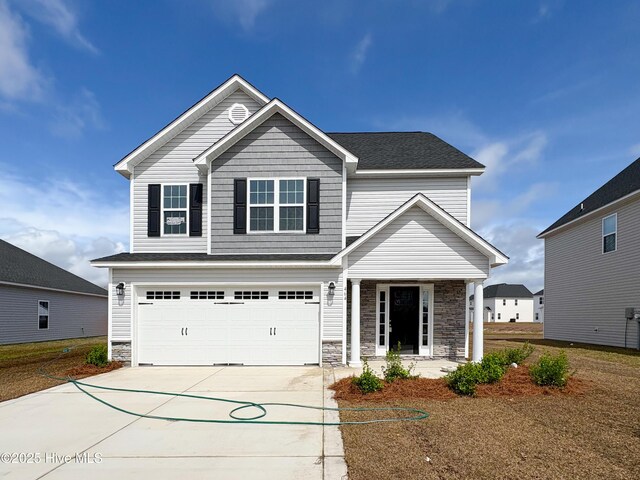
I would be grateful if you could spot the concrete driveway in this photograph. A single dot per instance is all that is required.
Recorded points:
(64, 421)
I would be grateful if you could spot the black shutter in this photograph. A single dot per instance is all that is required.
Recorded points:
(153, 216)
(240, 205)
(313, 205)
(195, 210)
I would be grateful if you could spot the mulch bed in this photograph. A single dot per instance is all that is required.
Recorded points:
(89, 370)
(515, 383)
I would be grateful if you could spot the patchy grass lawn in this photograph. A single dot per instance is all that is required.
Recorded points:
(19, 364)
(595, 434)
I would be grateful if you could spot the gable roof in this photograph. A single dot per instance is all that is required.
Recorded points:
(274, 106)
(625, 183)
(185, 119)
(540, 293)
(404, 150)
(505, 290)
(18, 267)
(496, 257)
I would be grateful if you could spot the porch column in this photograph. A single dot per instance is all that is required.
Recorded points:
(355, 323)
(478, 325)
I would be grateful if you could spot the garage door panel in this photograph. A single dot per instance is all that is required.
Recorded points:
(187, 331)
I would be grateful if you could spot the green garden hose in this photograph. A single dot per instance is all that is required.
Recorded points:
(242, 405)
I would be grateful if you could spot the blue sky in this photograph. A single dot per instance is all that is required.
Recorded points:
(545, 93)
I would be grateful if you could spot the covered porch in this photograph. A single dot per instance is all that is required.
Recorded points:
(428, 319)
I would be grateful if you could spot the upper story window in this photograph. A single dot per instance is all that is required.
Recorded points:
(504, 302)
(541, 300)
(609, 233)
(174, 209)
(276, 205)
(516, 302)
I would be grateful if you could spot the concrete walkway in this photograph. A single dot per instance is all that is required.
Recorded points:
(64, 421)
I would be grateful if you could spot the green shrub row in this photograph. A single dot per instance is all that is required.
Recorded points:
(369, 382)
(98, 356)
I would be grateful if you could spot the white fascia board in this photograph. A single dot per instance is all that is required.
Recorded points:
(203, 160)
(496, 257)
(196, 111)
(629, 196)
(322, 264)
(421, 172)
(38, 287)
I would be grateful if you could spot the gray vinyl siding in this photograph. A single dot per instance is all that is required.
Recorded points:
(173, 163)
(369, 200)
(277, 148)
(586, 291)
(415, 245)
(331, 306)
(70, 315)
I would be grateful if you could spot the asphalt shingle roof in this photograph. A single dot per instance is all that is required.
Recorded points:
(506, 290)
(403, 150)
(624, 183)
(203, 257)
(18, 266)
(541, 292)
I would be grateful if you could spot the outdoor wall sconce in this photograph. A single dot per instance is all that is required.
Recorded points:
(120, 289)
(332, 288)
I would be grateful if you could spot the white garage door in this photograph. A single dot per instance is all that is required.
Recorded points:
(214, 325)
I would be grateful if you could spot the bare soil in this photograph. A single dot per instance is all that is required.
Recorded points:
(592, 430)
(21, 364)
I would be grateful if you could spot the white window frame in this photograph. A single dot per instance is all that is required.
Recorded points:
(423, 350)
(517, 316)
(276, 206)
(162, 210)
(515, 300)
(499, 316)
(504, 302)
(615, 232)
(48, 314)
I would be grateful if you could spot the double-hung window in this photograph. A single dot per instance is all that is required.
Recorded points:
(276, 205)
(174, 209)
(43, 314)
(609, 233)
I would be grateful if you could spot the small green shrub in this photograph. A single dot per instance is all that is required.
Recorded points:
(517, 355)
(98, 356)
(551, 370)
(494, 366)
(367, 382)
(395, 369)
(466, 378)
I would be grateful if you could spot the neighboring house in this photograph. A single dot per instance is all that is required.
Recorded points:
(257, 238)
(538, 306)
(506, 303)
(39, 301)
(592, 266)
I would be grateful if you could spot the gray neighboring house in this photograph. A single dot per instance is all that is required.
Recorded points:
(592, 266)
(39, 301)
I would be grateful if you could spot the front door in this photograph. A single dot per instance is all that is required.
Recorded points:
(404, 319)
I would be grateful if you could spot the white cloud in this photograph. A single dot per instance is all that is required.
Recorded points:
(73, 117)
(62, 221)
(245, 12)
(58, 15)
(359, 53)
(19, 78)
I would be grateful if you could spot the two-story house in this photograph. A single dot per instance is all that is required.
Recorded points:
(257, 238)
(592, 265)
(505, 302)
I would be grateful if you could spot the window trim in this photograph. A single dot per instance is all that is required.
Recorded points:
(615, 233)
(515, 302)
(48, 314)
(276, 206)
(162, 210)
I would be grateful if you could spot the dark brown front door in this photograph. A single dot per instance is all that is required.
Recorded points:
(404, 320)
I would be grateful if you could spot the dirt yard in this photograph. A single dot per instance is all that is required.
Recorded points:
(595, 434)
(19, 364)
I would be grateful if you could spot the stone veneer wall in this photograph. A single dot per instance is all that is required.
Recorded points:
(448, 318)
(121, 351)
(331, 352)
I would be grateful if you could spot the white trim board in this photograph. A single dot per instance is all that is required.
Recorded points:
(124, 166)
(37, 287)
(420, 172)
(203, 161)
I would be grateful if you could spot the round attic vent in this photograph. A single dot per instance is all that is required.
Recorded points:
(238, 113)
